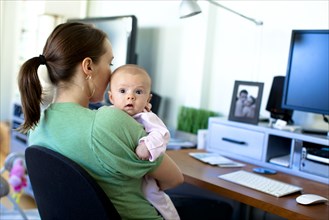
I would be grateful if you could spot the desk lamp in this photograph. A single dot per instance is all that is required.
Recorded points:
(190, 8)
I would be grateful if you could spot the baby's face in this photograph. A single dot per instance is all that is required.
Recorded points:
(130, 92)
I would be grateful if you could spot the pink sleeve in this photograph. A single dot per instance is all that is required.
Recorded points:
(158, 134)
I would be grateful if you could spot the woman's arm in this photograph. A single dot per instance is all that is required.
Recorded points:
(167, 174)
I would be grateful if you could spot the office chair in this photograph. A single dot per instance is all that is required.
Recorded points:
(155, 101)
(63, 189)
(193, 203)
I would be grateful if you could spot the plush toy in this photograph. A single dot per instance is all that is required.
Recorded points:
(17, 178)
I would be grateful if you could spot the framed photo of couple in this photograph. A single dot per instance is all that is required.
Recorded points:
(246, 100)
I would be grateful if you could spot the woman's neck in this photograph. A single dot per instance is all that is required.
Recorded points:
(71, 93)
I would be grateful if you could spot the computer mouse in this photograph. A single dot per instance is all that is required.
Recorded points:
(263, 170)
(308, 199)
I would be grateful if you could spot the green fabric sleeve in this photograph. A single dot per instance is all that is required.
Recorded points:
(115, 137)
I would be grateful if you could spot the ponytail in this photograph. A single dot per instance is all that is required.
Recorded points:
(31, 93)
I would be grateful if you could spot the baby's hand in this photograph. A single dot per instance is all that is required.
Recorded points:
(142, 152)
(148, 107)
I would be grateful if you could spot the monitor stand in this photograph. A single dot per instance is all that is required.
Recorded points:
(284, 116)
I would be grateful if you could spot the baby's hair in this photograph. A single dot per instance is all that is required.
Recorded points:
(130, 66)
(133, 68)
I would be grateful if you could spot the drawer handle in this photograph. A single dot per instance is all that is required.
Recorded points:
(234, 141)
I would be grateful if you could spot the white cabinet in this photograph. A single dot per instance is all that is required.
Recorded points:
(236, 141)
(290, 152)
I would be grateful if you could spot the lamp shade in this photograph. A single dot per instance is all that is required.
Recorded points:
(188, 8)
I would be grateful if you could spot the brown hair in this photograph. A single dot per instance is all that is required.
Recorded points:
(67, 45)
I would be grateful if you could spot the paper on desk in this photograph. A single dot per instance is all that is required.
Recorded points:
(215, 159)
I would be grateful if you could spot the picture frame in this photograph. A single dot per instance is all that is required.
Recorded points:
(246, 101)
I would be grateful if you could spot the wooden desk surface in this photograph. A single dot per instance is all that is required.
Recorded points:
(205, 176)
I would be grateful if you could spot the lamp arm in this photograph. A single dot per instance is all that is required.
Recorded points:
(257, 22)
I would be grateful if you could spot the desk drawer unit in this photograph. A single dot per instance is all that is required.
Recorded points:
(230, 140)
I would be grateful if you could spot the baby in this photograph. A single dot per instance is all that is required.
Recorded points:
(130, 91)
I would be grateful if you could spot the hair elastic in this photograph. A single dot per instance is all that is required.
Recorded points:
(42, 59)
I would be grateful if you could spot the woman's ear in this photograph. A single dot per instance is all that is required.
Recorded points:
(87, 66)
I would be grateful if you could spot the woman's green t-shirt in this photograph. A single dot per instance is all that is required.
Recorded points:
(102, 141)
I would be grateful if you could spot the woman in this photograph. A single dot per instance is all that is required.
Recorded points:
(78, 59)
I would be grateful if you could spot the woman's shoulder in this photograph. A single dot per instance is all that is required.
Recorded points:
(116, 121)
(111, 112)
(114, 116)
(109, 108)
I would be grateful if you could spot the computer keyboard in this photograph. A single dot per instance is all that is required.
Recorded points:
(260, 183)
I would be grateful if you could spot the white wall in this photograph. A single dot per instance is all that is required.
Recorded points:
(247, 52)
(25, 25)
(194, 61)
(9, 36)
(164, 46)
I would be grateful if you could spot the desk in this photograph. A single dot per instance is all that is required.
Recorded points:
(205, 176)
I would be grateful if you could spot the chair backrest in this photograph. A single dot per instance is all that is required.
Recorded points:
(63, 189)
(155, 101)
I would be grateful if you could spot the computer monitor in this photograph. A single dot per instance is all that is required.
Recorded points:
(122, 32)
(306, 85)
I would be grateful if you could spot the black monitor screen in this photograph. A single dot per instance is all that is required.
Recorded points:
(307, 80)
(121, 31)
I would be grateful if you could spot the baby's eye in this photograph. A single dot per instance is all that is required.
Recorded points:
(139, 92)
(122, 90)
